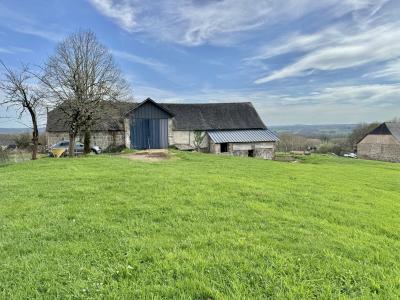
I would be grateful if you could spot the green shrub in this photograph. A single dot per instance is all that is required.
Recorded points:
(23, 141)
(4, 157)
(114, 149)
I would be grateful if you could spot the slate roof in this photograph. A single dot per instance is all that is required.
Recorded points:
(394, 128)
(242, 136)
(206, 116)
(112, 117)
(385, 128)
(215, 116)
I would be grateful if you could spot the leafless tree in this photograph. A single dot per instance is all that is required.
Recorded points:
(198, 139)
(20, 91)
(77, 78)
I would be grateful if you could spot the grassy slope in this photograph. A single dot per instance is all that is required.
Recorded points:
(201, 226)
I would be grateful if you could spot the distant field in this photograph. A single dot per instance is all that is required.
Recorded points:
(199, 226)
(331, 130)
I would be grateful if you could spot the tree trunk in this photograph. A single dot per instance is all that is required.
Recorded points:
(86, 142)
(35, 133)
(71, 147)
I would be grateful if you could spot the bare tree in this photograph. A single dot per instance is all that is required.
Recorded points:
(359, 132)
(21, 92)
(77, 78)
(198, 139)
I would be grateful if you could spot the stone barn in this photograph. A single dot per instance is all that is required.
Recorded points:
(382, 143)
(222, 128)
(108, 131)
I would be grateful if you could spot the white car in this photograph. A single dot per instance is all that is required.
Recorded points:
(79, 147)
(351, 155)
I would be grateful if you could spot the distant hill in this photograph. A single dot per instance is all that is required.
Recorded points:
(17, 130)
(331, 130)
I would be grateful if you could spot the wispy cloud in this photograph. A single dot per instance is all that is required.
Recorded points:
(343, 103)
(36, 31)
(391, 71)
(148, 62)
(123, 12)
(378, 44)
(13, 50)
(222, 22)
(361, 41)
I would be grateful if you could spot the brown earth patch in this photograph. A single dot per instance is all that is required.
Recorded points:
(149, 155)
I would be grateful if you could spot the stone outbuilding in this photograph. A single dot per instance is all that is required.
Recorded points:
(382, 143)
(229, 128)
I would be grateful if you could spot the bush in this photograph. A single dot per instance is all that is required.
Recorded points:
(23, 141)
(4, 157)
(331, 148)
(114, 149)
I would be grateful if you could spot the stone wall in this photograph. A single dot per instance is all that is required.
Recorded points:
(186, 137)
(379, 147)
(102, 139)
(264, 150)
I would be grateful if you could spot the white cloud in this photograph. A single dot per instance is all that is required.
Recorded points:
(363, 40)
(121, 11)
(390, 70)
(334, 104)
(193, 23)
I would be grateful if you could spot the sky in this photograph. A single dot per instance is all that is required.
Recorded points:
(297, 61)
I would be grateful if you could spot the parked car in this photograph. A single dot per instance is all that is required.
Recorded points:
(61, 149)
(351, 155)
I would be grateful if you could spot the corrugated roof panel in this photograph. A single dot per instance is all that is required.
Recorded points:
(242, 136)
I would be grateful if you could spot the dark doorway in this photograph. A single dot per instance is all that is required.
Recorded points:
(251, 153)
(224, 147)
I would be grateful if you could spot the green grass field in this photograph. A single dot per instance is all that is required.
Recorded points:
(199, 226)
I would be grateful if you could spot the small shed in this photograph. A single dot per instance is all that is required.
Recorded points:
(382, 143)
(252, 142)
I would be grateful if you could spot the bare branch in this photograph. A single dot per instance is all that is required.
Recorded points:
(78, 77)
(19, 90)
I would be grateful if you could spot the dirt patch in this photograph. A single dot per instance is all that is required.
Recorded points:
(149, 155)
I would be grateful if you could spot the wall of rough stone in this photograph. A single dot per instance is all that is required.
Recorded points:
(186, 137)
(384, 152)
(264, 150)
(99, 138)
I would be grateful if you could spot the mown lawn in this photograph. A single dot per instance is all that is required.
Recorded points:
(199, 226)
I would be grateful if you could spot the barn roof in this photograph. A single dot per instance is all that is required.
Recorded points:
(111, 119)
(394, 128)
(194, 116)
(215, 116)
(385, 128)
(242, 136)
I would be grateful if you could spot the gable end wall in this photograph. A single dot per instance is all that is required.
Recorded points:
(379, 147)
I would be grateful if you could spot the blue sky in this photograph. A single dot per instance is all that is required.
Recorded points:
(298, 61)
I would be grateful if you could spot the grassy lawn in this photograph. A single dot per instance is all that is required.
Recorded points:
(199, 226)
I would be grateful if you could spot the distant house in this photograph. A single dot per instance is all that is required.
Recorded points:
(382, 143)
(233, 128)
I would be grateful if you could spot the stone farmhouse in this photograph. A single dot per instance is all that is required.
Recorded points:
(231, 128)
(382, 143)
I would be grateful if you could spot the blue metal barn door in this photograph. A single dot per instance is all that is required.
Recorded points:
(149, 133)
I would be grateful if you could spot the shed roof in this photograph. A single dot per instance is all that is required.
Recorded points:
(215, 116)
(242, 136)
